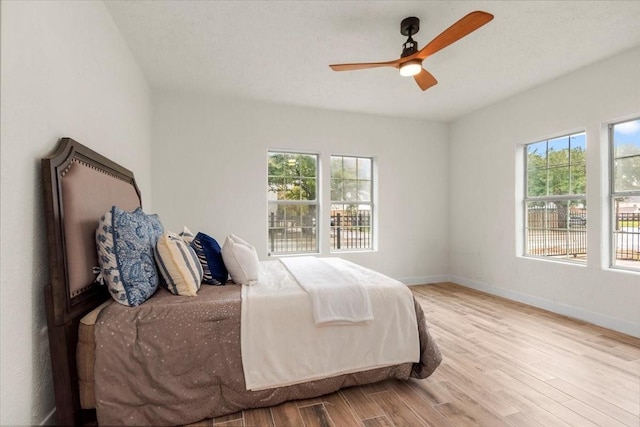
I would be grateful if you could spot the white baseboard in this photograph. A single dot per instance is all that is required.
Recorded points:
(410, 281)
(50, 420)
(624, 326)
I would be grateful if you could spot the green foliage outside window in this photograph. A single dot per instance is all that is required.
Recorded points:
(557, 167)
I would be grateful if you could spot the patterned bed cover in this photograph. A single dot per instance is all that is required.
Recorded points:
(177, 360)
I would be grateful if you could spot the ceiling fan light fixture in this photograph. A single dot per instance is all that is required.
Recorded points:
(411, 68)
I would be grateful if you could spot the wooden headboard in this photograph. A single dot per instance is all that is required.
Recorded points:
(80, 185)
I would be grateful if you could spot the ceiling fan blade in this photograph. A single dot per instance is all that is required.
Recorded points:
(364, 65)
(463, 27)
(425, 79)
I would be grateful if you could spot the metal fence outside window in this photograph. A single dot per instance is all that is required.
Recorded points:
(348, 231)
(351, 230)
(557, 233)
(627, 236)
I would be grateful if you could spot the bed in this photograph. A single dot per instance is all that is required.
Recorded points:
(80, 185)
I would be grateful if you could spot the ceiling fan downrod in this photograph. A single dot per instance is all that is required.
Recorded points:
(408, 27)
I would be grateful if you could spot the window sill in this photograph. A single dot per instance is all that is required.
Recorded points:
(555, 260)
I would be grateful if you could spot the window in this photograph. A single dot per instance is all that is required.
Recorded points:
(351, 203)
(555, 205)
(625, 194)
(293, 202)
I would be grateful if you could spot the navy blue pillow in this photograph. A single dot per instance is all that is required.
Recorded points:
(210, 256)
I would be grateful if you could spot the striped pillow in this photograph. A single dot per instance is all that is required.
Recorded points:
(186, 235)
(210, 256)
(178, 265)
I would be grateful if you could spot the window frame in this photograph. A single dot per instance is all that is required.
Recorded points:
(546, 199)
(278, 202)
(335, 229)
(613, 194)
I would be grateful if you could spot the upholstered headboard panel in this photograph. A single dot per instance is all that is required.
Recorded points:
(80, 186)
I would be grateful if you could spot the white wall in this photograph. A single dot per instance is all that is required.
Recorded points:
(486, 192)
(210, 167)
(65, 71)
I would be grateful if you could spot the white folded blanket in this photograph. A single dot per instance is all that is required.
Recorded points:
(337, 297)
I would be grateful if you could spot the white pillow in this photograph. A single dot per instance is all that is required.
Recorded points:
(241, 260)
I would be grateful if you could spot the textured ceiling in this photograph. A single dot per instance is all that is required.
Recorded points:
(280, 51)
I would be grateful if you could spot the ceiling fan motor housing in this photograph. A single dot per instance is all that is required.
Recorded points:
(408, 27)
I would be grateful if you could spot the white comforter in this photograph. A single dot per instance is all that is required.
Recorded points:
(282, 346)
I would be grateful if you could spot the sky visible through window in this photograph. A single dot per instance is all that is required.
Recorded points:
(628, 133)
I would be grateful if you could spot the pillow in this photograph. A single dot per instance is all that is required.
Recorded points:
(178, 265)
(210, 256)
(241, 260)
(186, 235)
(125, 243)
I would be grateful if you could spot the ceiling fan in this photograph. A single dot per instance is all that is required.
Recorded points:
(410, 62)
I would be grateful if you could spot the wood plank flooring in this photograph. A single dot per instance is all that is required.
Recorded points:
(504, 364)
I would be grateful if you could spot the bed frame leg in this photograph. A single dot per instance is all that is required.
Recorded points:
(63, 364)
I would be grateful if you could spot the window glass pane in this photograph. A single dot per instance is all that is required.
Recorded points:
(350, 191)
(275, 188)
(558, 151)
(336, 189)
(558, 180)
(626, 138)
(307, 189)
(364, 168)
(307, 165)
(626, 232)
(556, 229)
(577, 215)
(291, 165)
(627, 174)
(536, 214)
(336, 167)
(351, 227)
(364, 191)
(292, 228)
(349, 165)
(537, 182)
(578, 179)
(578, 146)
(537, 155)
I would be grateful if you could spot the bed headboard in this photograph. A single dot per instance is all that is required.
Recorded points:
(80, 185)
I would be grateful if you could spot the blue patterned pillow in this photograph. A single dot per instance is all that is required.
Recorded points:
(125, 243)
(210, 256)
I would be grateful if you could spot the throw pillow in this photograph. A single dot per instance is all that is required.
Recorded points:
(125, 242)
(178, 265)
(241, 260)
(210, 256)
(186, 235)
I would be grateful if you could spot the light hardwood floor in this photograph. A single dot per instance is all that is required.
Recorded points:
(504, 364)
